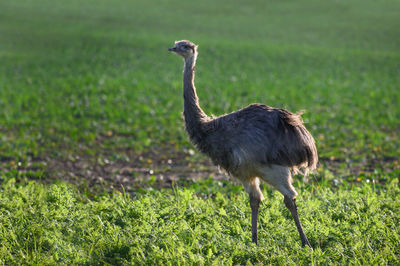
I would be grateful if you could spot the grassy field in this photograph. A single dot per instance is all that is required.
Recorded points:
(95, 166)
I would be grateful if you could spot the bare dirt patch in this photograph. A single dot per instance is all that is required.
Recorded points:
(133, 171)
(125, 169)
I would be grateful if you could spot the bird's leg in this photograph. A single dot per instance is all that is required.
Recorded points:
(254, 204)
(291, 205)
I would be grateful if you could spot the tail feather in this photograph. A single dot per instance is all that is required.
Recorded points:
(299, 150)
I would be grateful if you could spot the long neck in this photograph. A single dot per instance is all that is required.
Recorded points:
(193, 114)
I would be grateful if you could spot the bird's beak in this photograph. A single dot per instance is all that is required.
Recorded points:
(173, 49)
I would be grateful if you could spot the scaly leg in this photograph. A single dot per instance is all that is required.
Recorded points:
(291, 205)
(254, 204)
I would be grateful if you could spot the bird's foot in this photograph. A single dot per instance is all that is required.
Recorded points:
(306, 243)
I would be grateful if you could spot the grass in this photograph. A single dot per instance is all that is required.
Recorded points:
(90, 95)
(58, 225)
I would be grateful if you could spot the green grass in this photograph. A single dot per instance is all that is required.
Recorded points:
(56, 224)
(91, 83)
(80, 70)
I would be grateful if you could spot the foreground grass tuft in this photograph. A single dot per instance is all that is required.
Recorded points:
(57, 224)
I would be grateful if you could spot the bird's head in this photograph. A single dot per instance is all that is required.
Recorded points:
(184, 48)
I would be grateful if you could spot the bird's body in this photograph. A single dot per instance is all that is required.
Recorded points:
(256, 135)
(247, 142)
(255, 142)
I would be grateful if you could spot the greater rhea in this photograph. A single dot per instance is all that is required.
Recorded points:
(256, 142)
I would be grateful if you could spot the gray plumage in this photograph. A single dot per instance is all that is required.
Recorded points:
(256, 134)
(255, 142)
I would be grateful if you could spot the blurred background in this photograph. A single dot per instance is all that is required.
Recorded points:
(88, 90)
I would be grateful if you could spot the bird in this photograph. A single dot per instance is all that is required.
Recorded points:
(255, 143)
